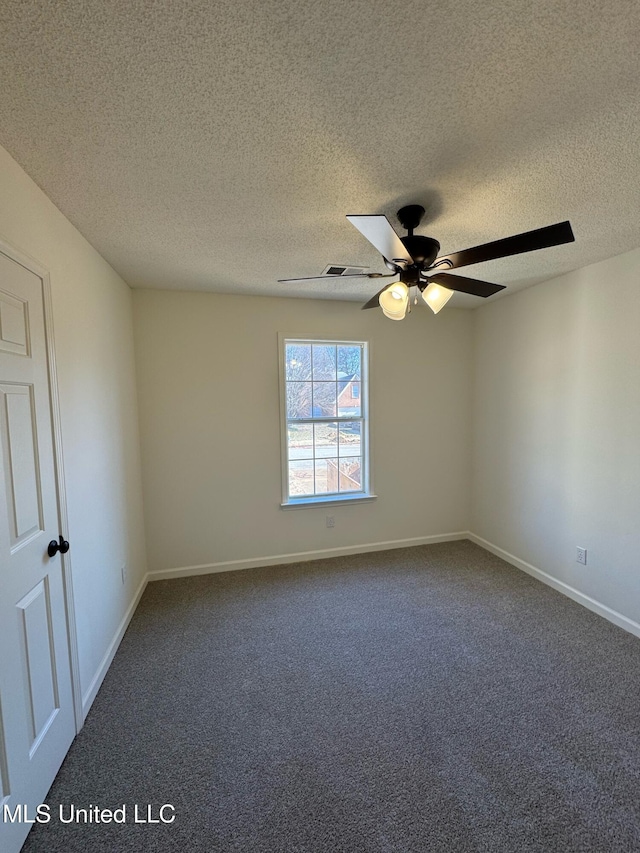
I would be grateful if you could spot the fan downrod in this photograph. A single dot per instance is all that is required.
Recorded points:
(410, 216)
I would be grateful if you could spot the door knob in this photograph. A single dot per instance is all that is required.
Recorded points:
(62, 545)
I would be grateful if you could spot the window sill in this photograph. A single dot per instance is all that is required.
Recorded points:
(331, 500)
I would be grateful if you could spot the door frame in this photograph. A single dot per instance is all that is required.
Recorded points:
(42, 273)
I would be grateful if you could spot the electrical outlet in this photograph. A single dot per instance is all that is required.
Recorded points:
(123, 573)
(331, 521)
(581, 556)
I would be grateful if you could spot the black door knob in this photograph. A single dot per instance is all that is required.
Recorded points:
(62, 545)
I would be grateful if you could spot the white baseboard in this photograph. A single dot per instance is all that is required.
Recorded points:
(302, 556)
(586, 601)
(98, 678)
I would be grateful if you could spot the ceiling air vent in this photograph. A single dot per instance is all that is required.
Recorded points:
(336, 269)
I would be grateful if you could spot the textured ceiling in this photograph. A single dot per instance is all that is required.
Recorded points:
(218, 146)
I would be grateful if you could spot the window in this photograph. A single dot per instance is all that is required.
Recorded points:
(325, 421)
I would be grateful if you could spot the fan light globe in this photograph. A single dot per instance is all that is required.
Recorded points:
(394, 316)
(436, 296)
(395, 301)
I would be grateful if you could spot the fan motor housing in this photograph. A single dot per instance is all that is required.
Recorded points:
(423, 250)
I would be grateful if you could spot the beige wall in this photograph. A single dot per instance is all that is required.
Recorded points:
(94, 348)
(210, 425)
(556, 453)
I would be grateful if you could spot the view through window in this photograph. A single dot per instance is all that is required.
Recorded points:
(325, 403)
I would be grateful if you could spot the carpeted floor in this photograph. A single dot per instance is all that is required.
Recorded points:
(424, 699)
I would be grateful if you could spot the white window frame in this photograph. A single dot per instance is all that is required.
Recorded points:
(366, 494)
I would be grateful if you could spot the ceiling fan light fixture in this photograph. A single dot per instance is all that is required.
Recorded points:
(415, 260)
(394, 301)
(436, 296)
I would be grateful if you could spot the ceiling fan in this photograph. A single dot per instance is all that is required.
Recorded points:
(414, 259)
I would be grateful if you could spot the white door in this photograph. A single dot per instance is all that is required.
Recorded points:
(37, 721)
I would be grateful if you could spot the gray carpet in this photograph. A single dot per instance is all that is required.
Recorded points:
(424, 699)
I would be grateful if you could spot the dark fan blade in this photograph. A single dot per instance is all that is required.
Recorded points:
(466, 285)
(377, 229)
(541, 238)
(334, 277)
(374, 302)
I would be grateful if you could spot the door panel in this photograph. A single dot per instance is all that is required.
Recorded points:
(20, 453)
(13, 324)
(37, 722)
(40, 671)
